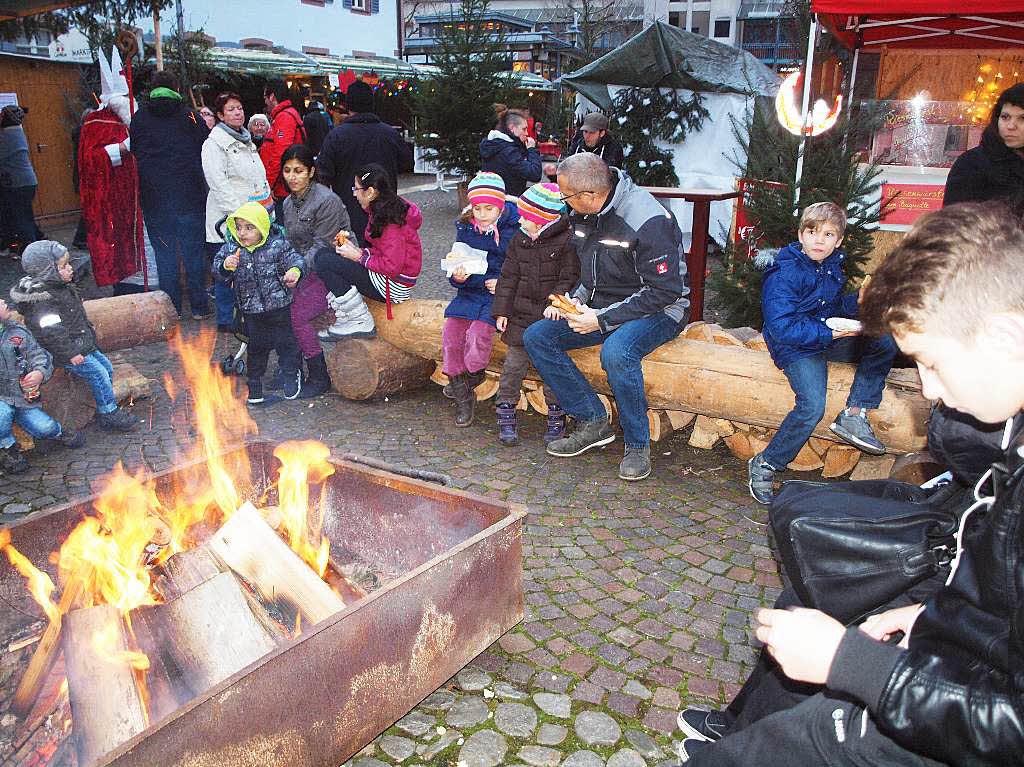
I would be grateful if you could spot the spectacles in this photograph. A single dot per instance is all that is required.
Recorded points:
(565, 197)
(357, 189)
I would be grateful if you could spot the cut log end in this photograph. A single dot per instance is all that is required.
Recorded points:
(365, 368)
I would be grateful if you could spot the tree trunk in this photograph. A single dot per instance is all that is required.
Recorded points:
(122, 322)
(736, 383)
(365, 368)
(840, 460)
(250, 547)
(105, 703)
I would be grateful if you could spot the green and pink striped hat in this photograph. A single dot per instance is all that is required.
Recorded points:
(486, 188)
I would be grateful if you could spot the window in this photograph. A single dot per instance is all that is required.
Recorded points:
(358, 5)
(722, 27)
(673, 19)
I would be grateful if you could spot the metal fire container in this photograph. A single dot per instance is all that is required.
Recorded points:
(318, 699)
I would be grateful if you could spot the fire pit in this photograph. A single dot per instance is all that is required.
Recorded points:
(450, 570)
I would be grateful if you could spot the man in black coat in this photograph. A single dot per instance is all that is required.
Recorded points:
(361, 139)
(593, 136)
(167, 140)
(317, 125)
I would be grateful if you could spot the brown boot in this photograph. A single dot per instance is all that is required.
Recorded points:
(465, 399)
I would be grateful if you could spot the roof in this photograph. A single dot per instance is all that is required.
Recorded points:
(440, 18)
(509, 38)
(764, 9)
(668, 57)
(924, 23)
(15, 9)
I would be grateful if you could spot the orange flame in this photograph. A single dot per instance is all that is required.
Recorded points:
(39, 583)
(302, 463)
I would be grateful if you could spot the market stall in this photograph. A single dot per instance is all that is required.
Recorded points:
(946, 67)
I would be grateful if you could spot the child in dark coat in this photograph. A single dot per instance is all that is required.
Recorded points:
(489, 224)
(541, 260)
(263, 269)
(801, 299)
(48, 299)
(24, 366)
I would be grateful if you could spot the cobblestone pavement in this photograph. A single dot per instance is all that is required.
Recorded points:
(638, 595)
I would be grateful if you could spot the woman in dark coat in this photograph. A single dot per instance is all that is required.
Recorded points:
(995, 169)
(510, 152)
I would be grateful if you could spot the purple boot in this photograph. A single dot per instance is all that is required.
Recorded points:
(508, 432)
(556, 424)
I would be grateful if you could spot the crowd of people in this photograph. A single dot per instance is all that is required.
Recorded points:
(307, 216)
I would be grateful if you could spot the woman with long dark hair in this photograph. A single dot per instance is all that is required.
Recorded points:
(385, 270)
(993, 170)
(313, 216)
(235, 175)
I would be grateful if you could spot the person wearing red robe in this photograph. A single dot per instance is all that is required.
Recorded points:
(110, 200)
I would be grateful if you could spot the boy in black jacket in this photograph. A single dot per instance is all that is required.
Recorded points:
(48, 299)
(951, 691)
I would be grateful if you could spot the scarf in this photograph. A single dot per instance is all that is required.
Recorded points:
(242, 135)
(492, 229)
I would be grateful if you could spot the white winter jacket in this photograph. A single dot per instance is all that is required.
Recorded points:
(235, 174)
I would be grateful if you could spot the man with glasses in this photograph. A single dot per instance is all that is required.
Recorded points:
(633, 297)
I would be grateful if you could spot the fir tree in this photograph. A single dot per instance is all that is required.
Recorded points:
(454, 106)
(642, 116)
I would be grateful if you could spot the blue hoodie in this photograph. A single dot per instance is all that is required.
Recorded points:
(473, 301)
(797, 296)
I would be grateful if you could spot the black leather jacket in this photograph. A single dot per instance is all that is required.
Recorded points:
(957, 695)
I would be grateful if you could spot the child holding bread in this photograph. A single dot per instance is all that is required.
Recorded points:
(488, 224)
(541, 261)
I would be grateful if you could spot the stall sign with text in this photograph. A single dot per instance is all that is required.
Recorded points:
(903, 203)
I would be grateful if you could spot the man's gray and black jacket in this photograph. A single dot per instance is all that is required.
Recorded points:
(632, 262)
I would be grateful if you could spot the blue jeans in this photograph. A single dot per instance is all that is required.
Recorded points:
(223, 295)
(808, 378)
(99, 374)
(184, 233)
(31, 419)
(622, 351)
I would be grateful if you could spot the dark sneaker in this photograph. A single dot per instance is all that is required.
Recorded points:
(704, 725)
(556, 424)
(264, 400)
(636, 464)
(116, 420)
(760, 479)
(70, 438)
(856, 430)
(292, 384)
(202, 314)
(586, 435)
(12, 461)
(508, 428)
(276, 382)
(689, 747)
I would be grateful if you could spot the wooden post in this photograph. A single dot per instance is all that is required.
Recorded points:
(365, 368)
(250, 547)
(158, 40)
(105, 702)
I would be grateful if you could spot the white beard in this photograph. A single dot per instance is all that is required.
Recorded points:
(119, 105)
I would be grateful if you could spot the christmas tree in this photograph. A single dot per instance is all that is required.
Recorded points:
(453, 107)
(642, 116)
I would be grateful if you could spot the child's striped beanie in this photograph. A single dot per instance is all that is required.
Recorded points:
(487, 188)
(541, 204)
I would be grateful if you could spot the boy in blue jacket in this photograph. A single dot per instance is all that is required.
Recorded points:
(803, 288)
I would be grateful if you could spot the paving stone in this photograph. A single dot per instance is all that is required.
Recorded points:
(467, 712)
(596, 728)
(666, 698)
(416, 723)
(626, 757)
(583, 759)
(633, 687)
(429, 750)
(397, 747)
(515, 719)
(551, 734)
(588, 692)
(508, 692)
(645, 744)
(539, 756)
(442, 700)
(484, 748)
(553, 704)
(472, 680)
(368, 761)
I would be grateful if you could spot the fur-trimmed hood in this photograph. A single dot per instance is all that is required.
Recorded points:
(30, 290)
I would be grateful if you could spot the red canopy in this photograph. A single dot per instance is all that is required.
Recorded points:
(924, 23)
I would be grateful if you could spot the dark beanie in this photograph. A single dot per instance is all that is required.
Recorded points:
(359, 97)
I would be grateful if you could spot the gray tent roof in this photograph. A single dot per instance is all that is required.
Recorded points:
(667, 57)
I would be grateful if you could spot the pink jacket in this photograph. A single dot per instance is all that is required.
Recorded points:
(398, 252)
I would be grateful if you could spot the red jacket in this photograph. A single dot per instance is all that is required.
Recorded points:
(398, 252)
(285, 129)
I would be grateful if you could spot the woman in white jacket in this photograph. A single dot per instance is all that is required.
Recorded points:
(235, 175)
